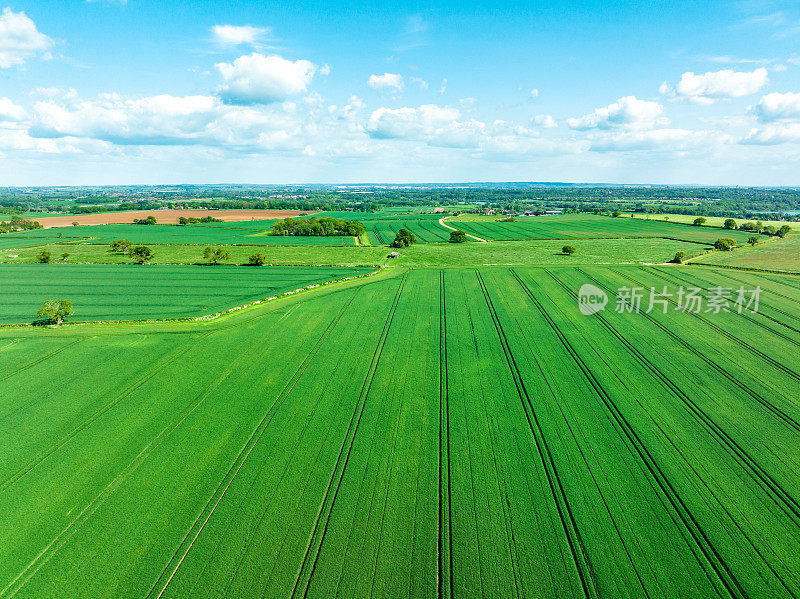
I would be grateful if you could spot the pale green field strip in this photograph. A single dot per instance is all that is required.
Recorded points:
(420, 433)
(780, 254)
(132, 292)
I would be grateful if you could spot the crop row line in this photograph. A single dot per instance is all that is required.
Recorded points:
(317, 536)
(568, 522)
(712, 557)
(216, 497)
(445, 532)
(39, 360)
(663, 275)
(762, 478)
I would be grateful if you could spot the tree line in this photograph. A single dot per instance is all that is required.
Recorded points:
(325, 226)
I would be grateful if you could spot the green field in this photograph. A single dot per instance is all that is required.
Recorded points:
(521, 253)
(588, 226)
(421, 433)
(778, 254)
(109, 292)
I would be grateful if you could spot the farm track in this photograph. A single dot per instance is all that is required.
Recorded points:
(776, 411)
(569, 525)
(317, 536)
(444, 575)
(722, 572)
(762, 478)
(38, 360)
(204, 516)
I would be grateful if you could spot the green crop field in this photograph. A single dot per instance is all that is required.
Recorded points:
(124, 292)
(587, 226)
(423, 432)
(777, 254)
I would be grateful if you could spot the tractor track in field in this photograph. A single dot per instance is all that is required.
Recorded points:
(761, 477)
(722, 573)
(317, 536)
(672, 277)
(61, 538)
(39, 360)
(166, 361)
(216, 497)
(776, 411)
(769, 359)
(580, 556)
(445, 532)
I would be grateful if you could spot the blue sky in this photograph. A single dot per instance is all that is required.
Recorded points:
(104, 92)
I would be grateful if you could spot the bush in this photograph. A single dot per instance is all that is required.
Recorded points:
(150, 220)
(257, 260)
(43, 257)
(725, 245)
(142, 254)
(615, 214)
(752, 240)
(458, 237)
(729, 224)
(121, 246)
(679, 257)
(64, 256)
(783, 231)
(216, 255)
(699, 221)
(568, 250)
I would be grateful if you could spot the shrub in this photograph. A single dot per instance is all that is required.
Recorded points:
(699, 221)
(783, 231)
(458, 237)
(142, 254)
(729, 224)
(121, 246)
(752, 240)
(43, 257)
(403, 239)
(150, 220)
(679, 257)
(257, 260)
(216, 255)
(725, 245)
(568, 250)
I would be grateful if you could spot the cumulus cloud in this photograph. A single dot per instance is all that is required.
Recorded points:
(410, 123)
(626, 113)
(545, 120)
(712, 86)
(773, 134)
(20, 39)
(235, 35)
(386, 81)
(11, 112)
(259, 79)
(778, 107)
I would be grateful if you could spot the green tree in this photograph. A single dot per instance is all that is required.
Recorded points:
(216, 255)
(679, 257)
(458, 237)
(768, 230)
(568, 250)
(257, 260)
(615, 214)
(783, 231)
(150, 220)
(752, 240)
(729, 224)
(121, 246)
(75, 223)
(725, 245)
(43, 257)
(699, 221)
(403, 239)
(54, 311)
(64, 256)
(141, 254)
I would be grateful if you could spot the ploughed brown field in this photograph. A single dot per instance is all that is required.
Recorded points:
(163, 216)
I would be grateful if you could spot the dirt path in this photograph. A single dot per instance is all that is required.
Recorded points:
(446, 226)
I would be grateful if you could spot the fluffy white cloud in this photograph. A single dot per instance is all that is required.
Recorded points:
(386, 81)
(773, 134)
(410, 123)
(235, 35)
(626, 113)
(545, 120)
(20, 39)
(778, 107)
(10, 111)
(259, 79)
(712, 86)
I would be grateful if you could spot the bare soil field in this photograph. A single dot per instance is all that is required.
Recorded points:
(163, 216)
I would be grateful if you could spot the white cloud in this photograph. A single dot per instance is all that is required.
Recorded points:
(410, 123)
(626, 113)
(420, 82)
(443, 88)
(386, 81)
(545, 120)
(534, 93)
(673, 140)
(235, 35)
(20, 39)
(712, 86)
(773, 134)
(10, 111)
(259, 79)
(777, 107)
